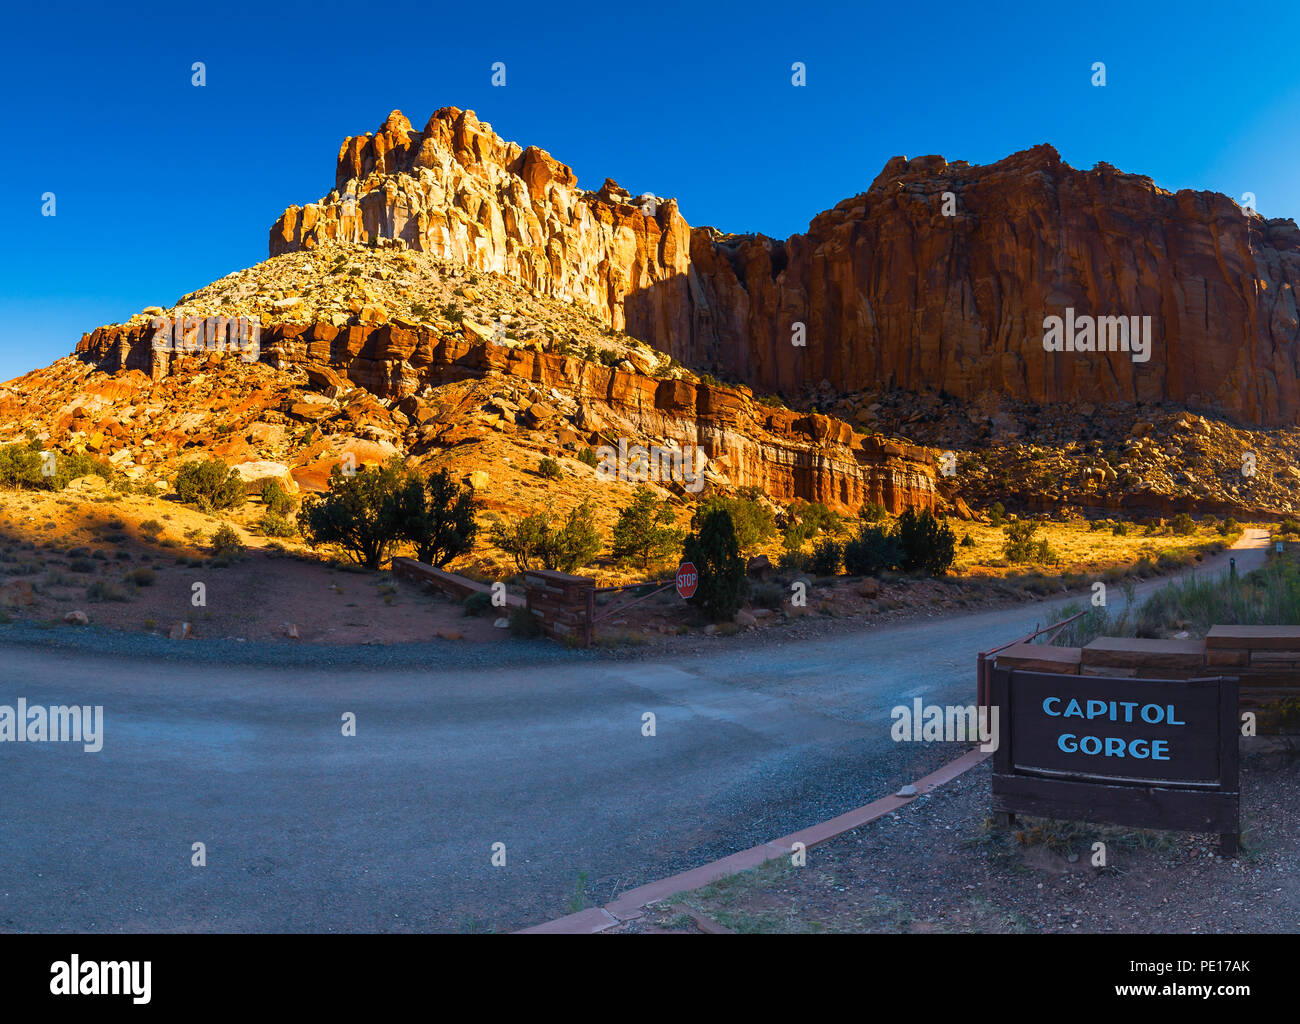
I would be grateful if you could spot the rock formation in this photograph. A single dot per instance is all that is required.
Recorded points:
(938, 277)
(784, 453)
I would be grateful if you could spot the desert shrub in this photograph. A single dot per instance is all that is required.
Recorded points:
(766, 595)
(872, 512)
(81, 565)
(275, 498)
(1182, 525)
(273, 524)
(359, 513)
(817, 517)
(967, 541)
(99, 591)
(873, 551)
(226, 542)
(28, 466)
(1289, 526)
(478, 603)
(588, 458)
(715, 552)
(151, 528)
(1020, 546)
(534, 542)
(752, 522)
(997, 514)
(826, 558)
(1120, 529)
(523, 623)
(1229, 525)
(794, 536)
(928, 545)
(645, 532)
(209, 484)
(142, 577)
(550, 469)
(793, 560)
(437, 515)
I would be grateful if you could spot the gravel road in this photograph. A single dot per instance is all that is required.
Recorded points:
(240, 747)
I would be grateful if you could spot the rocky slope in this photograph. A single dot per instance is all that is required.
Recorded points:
(482, 376)
(939, 276)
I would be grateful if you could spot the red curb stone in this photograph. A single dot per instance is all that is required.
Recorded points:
(585, 922)
(630, 905)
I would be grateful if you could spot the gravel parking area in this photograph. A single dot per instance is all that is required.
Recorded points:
(939, 865)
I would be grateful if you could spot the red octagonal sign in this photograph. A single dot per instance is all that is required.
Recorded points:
(687, 579)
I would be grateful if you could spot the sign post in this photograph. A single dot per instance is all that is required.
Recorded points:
(1150, 753)
(687, 580)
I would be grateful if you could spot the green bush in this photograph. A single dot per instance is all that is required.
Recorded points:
(997, 514)
(101, 591)
(588, 458)
(478, 603)
(276, 499)
(1020, 546)
(274, 525)
(752, 522)
(967, 541)
(872, 512)
(437, 515)
(209, 485)
(28, 466)
(826, 558)
(141, 577)
(534, 542)
(360, 513)
(715, 552)
(795, 560)
(873, 551)
(226, 542)
(151, 528)
(550, 469)
(766, 595)
(928, 545)
(645, 532)
(1182, 525)
(816, 517)
(1120, 529)
(1229, 525)
(523, 623)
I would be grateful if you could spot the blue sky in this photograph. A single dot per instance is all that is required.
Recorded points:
(162, 187)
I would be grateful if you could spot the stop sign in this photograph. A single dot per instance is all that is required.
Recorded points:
(687, 579)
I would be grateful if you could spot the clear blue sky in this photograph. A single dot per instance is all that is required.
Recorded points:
(162, 187)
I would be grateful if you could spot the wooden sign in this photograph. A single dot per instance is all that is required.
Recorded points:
(1150, 753)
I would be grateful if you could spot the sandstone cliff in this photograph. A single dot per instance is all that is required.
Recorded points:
(891, 289)
(786, 454)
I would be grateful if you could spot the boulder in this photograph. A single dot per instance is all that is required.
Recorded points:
(255, 474)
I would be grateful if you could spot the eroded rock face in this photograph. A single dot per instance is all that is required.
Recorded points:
(784, 453)
(458, 191)
(895, 293)
(938, 277)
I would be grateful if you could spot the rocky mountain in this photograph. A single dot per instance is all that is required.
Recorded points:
(938, 277)
(366, 353)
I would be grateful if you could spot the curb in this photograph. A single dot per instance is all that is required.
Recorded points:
(631, 905)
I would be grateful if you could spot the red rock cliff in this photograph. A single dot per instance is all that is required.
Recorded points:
(939, 276)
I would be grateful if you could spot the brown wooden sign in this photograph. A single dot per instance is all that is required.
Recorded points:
(1151, 753)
